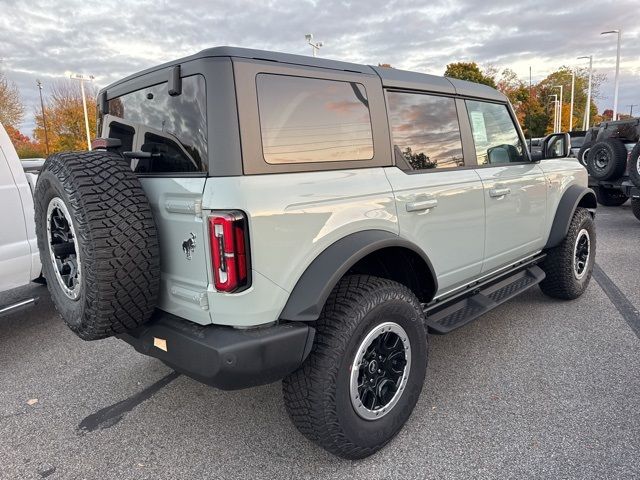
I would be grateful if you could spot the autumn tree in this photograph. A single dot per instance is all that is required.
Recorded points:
(469, 71)
(548, 87)
(65, 117)
(11, 107)
(25, 147)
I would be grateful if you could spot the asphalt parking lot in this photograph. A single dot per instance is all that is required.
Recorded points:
(536, 389)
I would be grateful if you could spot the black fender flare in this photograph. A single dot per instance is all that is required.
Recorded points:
(321, 276)
(574, 196)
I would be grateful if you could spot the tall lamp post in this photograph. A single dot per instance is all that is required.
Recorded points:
(555, 112)
(617, 82)
(82, 79)
(559, 108)
(587, 109)
(44, 119)
(315, 46)
(573, 89)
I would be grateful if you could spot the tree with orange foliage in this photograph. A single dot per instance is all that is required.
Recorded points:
(65, 117)
(25, 147)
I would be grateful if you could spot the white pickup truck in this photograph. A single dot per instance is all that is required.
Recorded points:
(19, 257)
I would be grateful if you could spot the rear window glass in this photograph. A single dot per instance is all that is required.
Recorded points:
(172, 128)
(304, 120)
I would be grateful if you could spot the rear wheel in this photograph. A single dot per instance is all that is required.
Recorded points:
(610, 197)
(568, 266)
(607, 159)
(365, 372)
(635, 207)
(98, 243)
(634, 165)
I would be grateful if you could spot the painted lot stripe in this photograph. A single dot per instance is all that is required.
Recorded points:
(619, 299)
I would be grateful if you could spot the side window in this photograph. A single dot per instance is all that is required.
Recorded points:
(425, 130)
(172, 128)
(494, 134)
(305, 120)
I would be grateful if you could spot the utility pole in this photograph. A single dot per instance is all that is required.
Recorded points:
(573, 88)
(83, 79)
(44, 119)
(587, 110)
(617, 81)
(315, 46)
(631, 109)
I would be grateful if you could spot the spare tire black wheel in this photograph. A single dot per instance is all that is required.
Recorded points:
(634, 165)
(98, 243)
(610, 197)
(607, 159)
(583, 152)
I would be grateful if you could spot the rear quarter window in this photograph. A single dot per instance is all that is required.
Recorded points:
(308, 120)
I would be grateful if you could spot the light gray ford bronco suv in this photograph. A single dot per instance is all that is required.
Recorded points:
(249, 216)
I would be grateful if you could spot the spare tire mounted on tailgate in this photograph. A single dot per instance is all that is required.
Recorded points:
(98, 243)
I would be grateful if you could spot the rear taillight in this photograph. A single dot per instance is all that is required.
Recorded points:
(228, 237)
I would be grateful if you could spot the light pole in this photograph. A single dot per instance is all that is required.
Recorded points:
(44, 119)
(615, 91)
(559, 108)
(315, 46)
(631, 109)
(573, 88)
(82, 79)
(555, 112)
(587, 109)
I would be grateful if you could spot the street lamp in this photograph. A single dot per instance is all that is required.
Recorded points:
(82, 78)
(315, 46)
(555, 112)
(615, 92)
(44, 119)
(573, 88)
(559, 108)
(587, 110)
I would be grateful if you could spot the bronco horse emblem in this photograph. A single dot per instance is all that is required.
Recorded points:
(189, 245)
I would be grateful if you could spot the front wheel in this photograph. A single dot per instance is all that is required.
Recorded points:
(365, 372)
(568, 266)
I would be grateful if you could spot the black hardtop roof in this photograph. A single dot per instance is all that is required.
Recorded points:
(391, 77)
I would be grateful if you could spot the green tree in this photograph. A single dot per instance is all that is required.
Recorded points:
(469, 71)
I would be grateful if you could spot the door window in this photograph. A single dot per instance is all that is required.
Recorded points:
(494, 134)
(425, 130)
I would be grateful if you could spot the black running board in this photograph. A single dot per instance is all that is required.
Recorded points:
(442, 318)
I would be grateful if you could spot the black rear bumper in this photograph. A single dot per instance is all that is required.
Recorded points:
(224, 357)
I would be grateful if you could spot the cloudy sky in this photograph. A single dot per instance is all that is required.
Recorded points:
(110, 39)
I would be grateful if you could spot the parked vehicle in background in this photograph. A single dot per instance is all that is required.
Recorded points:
(19, 257)
(577, 140)
(252, 216)
(611, 153)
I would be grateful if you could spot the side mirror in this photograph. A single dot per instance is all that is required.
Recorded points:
(556, 145)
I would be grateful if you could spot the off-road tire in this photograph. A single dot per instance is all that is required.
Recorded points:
(560, 281)
(117, 241)
(635, 207)
(317, 394)
(610, 197)
(582, 153)
(607, 159)
(634, 165)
